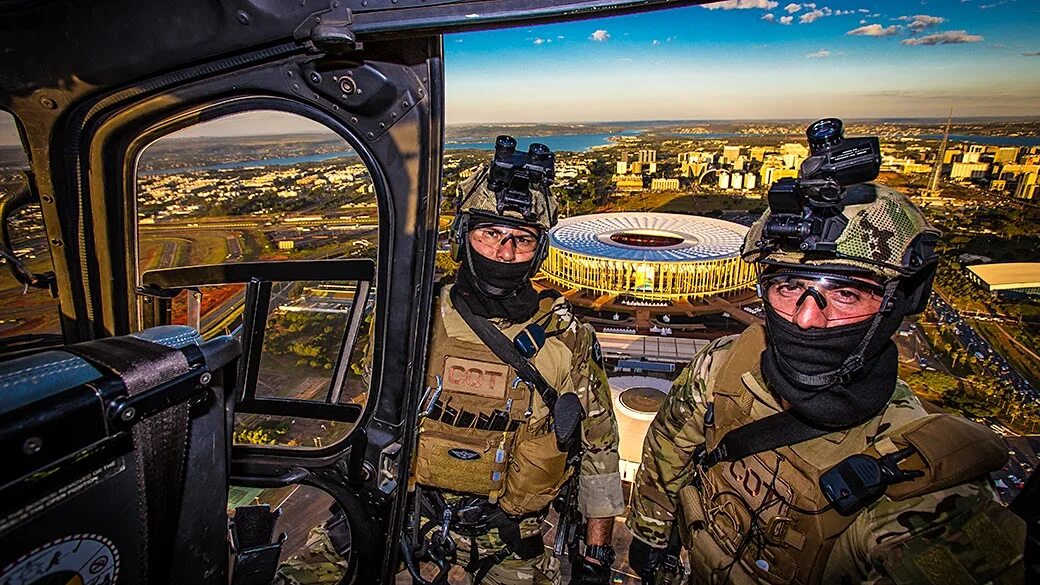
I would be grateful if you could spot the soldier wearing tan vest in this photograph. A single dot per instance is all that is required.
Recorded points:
(502, 438)
(792, 453)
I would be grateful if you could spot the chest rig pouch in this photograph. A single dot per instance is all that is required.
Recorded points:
(487, 433)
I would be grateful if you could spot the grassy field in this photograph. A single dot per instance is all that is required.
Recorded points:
(706, 204)
(1020, 359)
(32, 312)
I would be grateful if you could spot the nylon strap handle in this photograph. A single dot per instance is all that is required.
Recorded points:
(765, 434)
(161, 441)
(503, 347)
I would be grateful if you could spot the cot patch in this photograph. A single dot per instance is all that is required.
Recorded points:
(475, 377)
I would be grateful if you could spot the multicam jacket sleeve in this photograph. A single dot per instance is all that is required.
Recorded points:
(599, 493)
(676, 432)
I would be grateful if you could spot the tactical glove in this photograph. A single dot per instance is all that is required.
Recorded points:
(594, 568)
(644, 559)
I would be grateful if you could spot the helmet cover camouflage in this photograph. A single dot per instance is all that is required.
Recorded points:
(878, 239)
(474, 196)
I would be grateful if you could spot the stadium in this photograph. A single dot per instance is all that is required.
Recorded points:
(649, 259)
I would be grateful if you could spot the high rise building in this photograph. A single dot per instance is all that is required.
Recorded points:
(971, 156)
(664, 185)
(730, 153)
(795, 148)
(793, 161)
(1006, 154)
(965, 170)
(622, 167)
(736, 180)
(628, 183)
(1027, 187)
(723, 180)
(646, 156)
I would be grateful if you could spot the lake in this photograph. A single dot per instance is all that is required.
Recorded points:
(567, 142)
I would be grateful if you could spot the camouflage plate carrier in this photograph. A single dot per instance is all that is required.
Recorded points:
(764, 519)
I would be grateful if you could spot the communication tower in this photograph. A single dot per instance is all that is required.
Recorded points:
(933, 185)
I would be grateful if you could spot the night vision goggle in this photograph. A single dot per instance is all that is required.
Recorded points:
(515, 176)
(805, 214)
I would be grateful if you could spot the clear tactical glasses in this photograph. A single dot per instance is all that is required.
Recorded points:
(494, 236)
(838, 297)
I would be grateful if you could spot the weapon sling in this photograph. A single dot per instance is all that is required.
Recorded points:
(502, 347)
(765, 434)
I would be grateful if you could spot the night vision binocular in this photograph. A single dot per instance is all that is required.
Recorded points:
(806, 213)
(515, 176)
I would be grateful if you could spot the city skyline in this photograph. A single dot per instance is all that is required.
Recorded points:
(733, 60)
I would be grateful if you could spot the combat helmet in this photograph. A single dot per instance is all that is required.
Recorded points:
(882, 234)
(514, 189)
(834, 225)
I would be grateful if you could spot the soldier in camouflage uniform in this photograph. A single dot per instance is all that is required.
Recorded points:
(316, 563)
(825, 360)
(488, 451)
(500, 242)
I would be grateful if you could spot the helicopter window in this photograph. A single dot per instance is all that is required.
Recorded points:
(253, 186)
(24, 310)
(263, 186)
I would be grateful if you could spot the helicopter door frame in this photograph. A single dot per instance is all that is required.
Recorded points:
(399, 137)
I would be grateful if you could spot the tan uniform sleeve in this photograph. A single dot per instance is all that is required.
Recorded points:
(599, 490)
(956, 535)
(673, 436)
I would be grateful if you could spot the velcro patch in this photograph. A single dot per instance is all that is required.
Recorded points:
(475, 377)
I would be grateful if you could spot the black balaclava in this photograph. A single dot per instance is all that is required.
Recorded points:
(792, 351)
(520, 300)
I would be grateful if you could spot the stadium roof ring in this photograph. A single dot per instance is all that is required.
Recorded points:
(649, 256)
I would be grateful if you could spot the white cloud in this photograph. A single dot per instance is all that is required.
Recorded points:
(599, 36)
(768, 17)
(786, 19)
(656, 42)
(922, 21)
(863, 10)
(560, 37)
(861, 21)
(874, 30)
(741, 5)
(792, 8)
(816, 14)
(951, 37)
(819, 54)
(539, 41)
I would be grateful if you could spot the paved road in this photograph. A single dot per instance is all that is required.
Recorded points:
(977, 345)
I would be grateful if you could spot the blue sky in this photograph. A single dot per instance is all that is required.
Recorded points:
(756, 59)
(739, 59)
